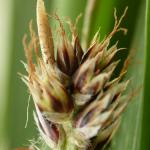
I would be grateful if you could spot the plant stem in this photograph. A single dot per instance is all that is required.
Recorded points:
(68, 128)
(87, 22)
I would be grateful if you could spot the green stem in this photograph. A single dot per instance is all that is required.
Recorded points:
(68, 130)
(87, 22)
(70, 146)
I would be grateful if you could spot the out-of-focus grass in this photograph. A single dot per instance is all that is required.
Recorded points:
(14, 96)
(17, 95)
(5, 49)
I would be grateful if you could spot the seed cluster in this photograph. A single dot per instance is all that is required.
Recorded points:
(78, 103)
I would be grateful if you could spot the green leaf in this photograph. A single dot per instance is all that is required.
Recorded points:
(145, 144)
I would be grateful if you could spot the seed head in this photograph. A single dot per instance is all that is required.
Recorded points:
(77, 101)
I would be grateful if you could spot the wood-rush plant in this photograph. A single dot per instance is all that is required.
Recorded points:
(78, 103)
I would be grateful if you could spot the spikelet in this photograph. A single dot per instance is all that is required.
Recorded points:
(77, 102)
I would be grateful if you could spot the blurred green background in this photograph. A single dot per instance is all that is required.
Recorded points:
(134, 133)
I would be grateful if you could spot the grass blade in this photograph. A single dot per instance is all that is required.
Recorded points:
(145, 144)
